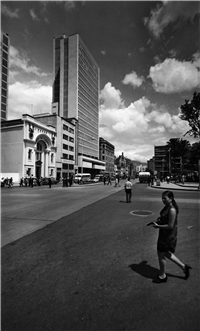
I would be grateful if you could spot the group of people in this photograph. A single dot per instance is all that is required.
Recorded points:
(67, 181)
(108, 180)
(29, 181)
(167, 224)
(7, 182)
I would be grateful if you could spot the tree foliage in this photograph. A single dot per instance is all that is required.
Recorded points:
(190, 112)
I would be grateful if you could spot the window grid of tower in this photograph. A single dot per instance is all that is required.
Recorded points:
(88, 103)
(5, 43)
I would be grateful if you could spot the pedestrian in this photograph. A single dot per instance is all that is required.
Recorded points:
(21, 182)
(116, 182)
(25, 181)
(10, 184)
(50, 182)
(109, 181)
(104, 180)
(31, 181)
(118, 178)
(64, 182)
(70, 180)
(167, 238)
(128, 190)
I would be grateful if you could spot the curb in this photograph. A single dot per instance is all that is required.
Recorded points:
(174, 188)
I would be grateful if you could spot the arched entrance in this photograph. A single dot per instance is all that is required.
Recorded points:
(42, 149)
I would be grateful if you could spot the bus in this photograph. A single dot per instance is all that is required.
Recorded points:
(144, 177)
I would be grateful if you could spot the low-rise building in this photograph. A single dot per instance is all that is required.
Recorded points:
(28, 148)
(106, 154)
(66, 156)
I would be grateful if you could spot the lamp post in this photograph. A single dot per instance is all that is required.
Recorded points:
(169, 162)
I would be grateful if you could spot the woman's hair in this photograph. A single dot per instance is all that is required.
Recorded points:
(170, 195)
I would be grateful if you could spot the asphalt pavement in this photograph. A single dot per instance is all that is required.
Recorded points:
(92, 269)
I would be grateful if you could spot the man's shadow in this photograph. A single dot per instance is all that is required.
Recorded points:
(148, 271)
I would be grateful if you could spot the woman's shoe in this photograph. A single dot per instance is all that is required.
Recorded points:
(187, 271)
(159, 280)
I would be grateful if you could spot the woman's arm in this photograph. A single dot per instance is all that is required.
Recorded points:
(171, 221)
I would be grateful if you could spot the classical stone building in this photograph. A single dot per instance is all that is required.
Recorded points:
(28, 147)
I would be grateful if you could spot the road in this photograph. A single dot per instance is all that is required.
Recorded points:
(93, 269)
(26, 209)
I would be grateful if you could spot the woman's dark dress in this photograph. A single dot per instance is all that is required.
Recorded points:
(167, 239)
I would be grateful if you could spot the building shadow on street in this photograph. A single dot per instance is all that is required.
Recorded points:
(147, 271)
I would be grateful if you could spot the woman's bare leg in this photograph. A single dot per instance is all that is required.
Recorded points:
(162, 264)
(174, 259)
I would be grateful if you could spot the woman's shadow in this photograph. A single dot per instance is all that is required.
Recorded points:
(144, 269)
(147, 271)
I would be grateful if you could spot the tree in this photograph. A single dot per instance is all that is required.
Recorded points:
(190, 112)
(178, 150)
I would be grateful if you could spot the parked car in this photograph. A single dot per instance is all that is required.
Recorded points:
(45, 181)
(82, 178)
(98, 178)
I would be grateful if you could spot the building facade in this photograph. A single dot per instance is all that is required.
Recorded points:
(5, 44)
(28, 148)
(107, 154)
(161, 162)
(66, 155)
(76, 95)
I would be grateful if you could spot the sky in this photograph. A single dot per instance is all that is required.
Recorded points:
(147, 51)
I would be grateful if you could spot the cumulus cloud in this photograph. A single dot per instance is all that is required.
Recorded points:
(69, 4)
(110, 97)
(172, 76)
(31, 98)
(135, 129)
(169, 12)
(21, 63)
(5, 10)
(33, 15)
(133, 79)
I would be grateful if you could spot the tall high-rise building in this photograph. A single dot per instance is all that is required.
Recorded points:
(5, 44)
(76, 93)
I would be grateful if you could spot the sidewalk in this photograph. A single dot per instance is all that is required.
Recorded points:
(186, 187)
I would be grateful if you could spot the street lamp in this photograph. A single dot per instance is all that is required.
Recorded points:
(169, 161)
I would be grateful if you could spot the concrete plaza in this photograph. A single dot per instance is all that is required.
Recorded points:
(91, 267)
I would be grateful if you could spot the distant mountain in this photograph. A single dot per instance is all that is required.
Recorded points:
(138, 163)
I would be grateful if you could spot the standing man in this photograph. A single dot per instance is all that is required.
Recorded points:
(49, 182)
(128, 190)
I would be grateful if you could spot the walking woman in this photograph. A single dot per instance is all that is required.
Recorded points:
(167, 238)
